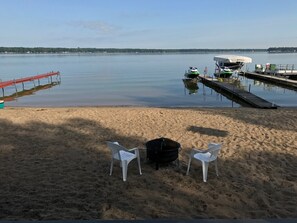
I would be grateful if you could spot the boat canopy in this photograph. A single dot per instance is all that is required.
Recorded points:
(232, 59)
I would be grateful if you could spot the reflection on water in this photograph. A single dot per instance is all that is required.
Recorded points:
(266, 86)
(31, 91)
(191, 85)
(235, 81)
(128, 80)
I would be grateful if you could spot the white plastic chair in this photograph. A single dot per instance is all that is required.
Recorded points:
(125, 156)
(207, 156)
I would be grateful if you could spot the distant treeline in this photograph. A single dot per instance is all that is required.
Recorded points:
(43, 50)
(282, 50)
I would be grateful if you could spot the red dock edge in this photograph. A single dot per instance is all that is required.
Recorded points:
(26, 79)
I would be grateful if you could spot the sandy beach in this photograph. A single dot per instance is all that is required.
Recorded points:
(54, 164)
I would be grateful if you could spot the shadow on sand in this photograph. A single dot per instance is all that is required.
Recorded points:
(51, 172)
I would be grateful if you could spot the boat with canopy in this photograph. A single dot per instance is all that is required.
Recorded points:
(227, 64)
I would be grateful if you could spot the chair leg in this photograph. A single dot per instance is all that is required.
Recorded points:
(217, 170)
(111, 166)
(139, 167)
(204, 170)
(189, 164)
(124, 169)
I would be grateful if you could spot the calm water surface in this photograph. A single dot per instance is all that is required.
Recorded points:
(130, 80)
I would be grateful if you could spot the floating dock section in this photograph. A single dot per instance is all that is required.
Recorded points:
(14, 82)
(234, 93)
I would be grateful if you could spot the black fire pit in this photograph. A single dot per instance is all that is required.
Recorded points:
(162, 150)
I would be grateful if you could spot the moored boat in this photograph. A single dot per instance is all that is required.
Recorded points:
(227, 64)
(223, 72)
(192, 72)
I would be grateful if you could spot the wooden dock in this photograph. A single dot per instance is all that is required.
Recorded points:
(14, 82)
(280, 81)
(234, 93)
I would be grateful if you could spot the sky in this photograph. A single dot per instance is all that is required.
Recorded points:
(154, 24)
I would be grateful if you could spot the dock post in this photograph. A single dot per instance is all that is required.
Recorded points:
(233, 94)
(16, 89)
(250, 88)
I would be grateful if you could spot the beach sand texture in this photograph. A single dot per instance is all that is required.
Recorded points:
(54, 164)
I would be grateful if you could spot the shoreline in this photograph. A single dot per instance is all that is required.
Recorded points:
(145, 106)
(54, 163)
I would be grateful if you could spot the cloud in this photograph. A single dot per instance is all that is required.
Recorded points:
(97, 26)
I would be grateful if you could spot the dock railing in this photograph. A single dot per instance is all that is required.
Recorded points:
(14, 82)
(275, 69)
(287, 68)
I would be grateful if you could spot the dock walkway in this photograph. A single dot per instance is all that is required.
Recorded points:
(236, 93)
(4, 84)
(281, 81)
(14, 82)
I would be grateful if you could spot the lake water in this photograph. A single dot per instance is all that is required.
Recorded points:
(130, 80)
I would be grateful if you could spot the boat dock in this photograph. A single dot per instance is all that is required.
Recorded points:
(281, 81)
(236, 94)
(279, 70)
(14, 82)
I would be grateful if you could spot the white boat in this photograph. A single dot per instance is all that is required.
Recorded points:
(192, 72)
(227, 64)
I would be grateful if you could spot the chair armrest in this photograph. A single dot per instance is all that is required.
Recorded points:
(133, 149)
(194, 151)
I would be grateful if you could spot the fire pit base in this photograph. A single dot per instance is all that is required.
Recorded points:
(162, 150)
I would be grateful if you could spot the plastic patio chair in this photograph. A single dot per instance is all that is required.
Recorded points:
(125, 156)
(206, 156)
